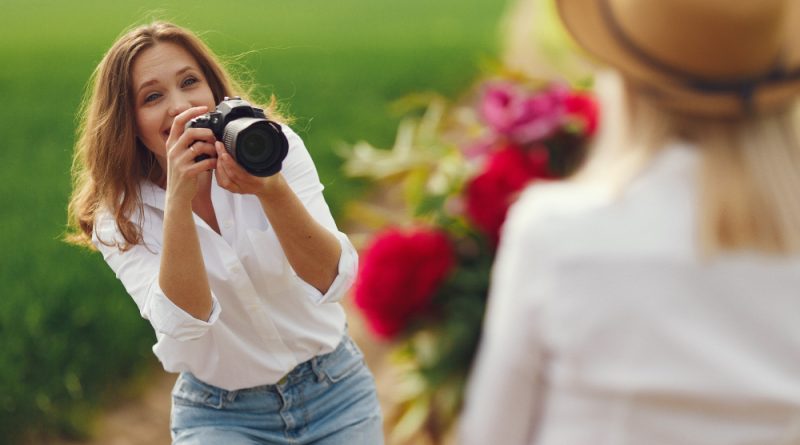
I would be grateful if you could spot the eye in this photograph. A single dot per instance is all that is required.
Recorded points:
(151, 97)
(189, 81)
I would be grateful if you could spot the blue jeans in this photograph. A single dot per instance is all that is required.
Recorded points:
(328, 400)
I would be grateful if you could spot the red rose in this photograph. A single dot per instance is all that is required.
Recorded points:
(400, 272)
(490, 194)
(583, 108)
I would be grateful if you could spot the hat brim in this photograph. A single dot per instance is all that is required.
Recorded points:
(584, 20)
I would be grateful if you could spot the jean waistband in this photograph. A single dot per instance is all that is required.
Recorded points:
(312, 367)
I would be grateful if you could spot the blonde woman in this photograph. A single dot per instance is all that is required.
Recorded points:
(239, 274)
(654, 298)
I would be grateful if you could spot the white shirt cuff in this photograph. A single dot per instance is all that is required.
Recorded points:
(348, 267)
(172, 321)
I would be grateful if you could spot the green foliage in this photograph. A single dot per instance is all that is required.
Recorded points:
(71, 337)
(462, 299)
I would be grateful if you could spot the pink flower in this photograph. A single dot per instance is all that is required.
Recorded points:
(490, 194)
(583, 108)
(523, 116)
(400, 273)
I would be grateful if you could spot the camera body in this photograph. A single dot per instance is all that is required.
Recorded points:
(255, 142)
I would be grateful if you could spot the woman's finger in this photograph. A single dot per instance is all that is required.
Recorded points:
(203, 149)
(222, 173)
(235, 171)
(220, 148)
(179, 123)
(201, 166)
(192, 136)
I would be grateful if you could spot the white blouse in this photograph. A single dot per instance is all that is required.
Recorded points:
(605, 326)
(265, 319)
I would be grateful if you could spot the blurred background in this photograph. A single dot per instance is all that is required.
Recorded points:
(72, 342)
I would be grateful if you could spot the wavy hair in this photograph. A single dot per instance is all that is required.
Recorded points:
(109, 161)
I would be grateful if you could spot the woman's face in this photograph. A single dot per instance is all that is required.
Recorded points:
(166, 81)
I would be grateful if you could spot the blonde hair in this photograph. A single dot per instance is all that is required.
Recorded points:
(749, 173)
(109, 161)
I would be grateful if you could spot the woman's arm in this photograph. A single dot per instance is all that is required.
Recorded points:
(182, 273)
(138, 270)
(311, 249)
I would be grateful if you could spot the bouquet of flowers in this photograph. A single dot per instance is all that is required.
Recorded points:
(447, 184)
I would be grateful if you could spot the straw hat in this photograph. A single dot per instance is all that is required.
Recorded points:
(706, 57)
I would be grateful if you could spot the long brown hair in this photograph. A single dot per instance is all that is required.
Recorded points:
(109, 160)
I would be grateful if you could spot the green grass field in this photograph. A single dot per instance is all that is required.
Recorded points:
(70, 335)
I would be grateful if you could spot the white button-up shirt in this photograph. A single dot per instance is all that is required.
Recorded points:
(606, 326)
(265, 319)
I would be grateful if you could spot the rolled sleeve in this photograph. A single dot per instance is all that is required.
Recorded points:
(138, 271)
(346, 275)
(169, 319)
(302, 176)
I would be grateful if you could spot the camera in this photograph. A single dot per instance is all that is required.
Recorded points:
(255, 142)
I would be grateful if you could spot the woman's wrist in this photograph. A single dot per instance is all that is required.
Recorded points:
(272, 187)
(174, 203)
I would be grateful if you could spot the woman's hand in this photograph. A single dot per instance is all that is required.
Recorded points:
(183, 146)
(232, 177)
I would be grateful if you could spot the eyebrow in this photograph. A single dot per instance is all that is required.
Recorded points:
(155, 81)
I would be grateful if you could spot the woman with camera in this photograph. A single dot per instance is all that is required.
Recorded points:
(654, 298)
(238, 270)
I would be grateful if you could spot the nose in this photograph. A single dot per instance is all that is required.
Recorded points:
(178, 105)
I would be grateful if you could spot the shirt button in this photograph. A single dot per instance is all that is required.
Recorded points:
(228, 224)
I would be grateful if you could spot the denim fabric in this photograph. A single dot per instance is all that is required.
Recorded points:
(328, 400)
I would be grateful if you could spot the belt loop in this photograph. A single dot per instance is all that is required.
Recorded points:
(317, 369)
(231, 396)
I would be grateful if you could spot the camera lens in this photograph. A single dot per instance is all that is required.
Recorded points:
(254, 146)
(257, 144)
